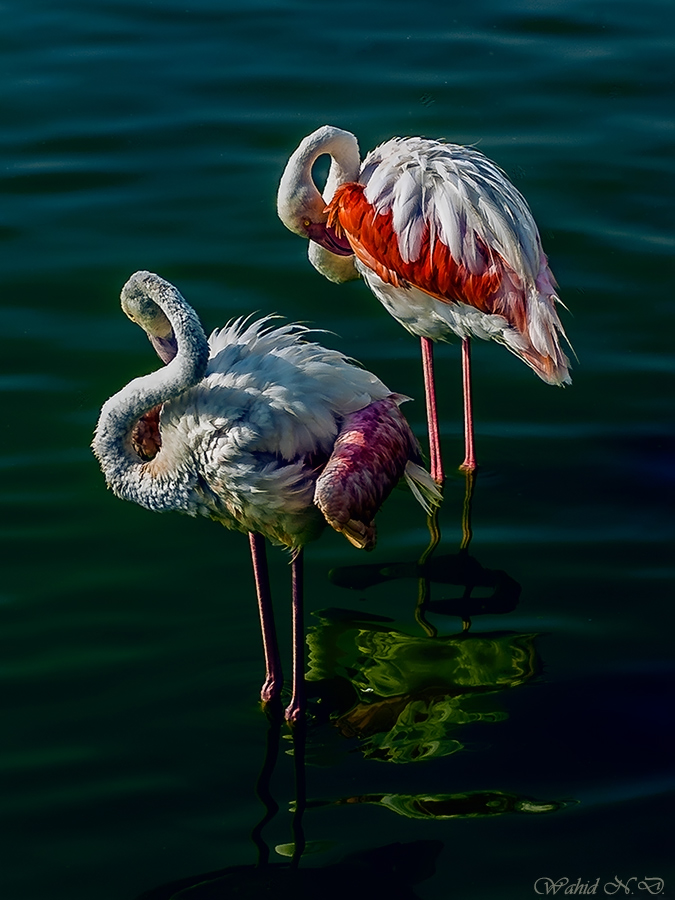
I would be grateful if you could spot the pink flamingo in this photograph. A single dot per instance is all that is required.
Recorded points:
(443, 240)
(261, 430)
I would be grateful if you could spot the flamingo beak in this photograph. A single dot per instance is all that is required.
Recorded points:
(165, 347)
(327, 238)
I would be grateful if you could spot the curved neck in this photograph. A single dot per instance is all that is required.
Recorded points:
(298, 195)
(112, 440)
(345, 162)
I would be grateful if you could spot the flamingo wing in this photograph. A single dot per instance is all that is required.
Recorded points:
(445, 219)
(374, 449)
(442, 218)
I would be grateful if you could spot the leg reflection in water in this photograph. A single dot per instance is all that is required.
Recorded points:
(389, 871)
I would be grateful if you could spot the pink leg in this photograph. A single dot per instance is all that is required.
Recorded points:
(432, 414)
(296, 709)
(271, 689)
(469, 464)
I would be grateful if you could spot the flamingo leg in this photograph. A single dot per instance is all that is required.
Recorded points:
(432, 413)
(296, 709)
(274, 678)
(469, 464)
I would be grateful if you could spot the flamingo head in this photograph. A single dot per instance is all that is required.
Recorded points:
(300, 206)
(303, 211)
(142, 310)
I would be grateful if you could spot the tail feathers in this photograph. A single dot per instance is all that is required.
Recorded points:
(551, 370)
(545, 333)
(545, 330)
(424, 488)
(534, 332)
(537, 339)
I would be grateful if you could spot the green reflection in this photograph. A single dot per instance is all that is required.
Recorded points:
(467, 805)
(391, 663)
(405, 696)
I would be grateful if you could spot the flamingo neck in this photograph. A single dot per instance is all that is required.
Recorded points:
(299, 200)
(112, 441)
(345, 161)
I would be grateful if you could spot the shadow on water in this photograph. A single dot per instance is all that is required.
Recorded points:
(392, 870)
(405, 694)
(403, 698)
(483, 591)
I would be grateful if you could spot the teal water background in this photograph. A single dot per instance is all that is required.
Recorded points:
(152, 135)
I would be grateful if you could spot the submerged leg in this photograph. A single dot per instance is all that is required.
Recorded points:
(271, 689)
(423, 585)
(469, 464)
(432, 414)
(467, 531)
(296, 709)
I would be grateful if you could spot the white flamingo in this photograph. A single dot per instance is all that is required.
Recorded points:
(262, 430)
(443, 240)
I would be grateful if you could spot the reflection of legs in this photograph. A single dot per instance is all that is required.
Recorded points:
(299, 742)
(467, 532)
(423, 593)
(271, 689)
(432, 413)
(262, 789)
(469, 464)
(296, 708)
(423, 584)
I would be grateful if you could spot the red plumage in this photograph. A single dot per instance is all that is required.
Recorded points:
(374, 241)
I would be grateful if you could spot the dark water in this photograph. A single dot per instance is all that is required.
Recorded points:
(540, 745)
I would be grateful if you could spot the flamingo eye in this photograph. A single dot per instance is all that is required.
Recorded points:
(306, 223)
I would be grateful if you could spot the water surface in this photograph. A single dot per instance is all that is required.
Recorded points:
(152, 135)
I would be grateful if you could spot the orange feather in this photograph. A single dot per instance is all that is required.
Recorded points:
(435, 271)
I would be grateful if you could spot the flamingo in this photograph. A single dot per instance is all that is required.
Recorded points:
(443, 240)
(262, 430)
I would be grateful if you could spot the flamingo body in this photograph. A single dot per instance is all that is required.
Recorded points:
(262, 430)
(250, 442)
(442, 238)
(439, 234)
